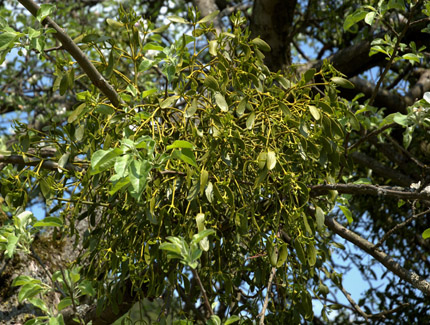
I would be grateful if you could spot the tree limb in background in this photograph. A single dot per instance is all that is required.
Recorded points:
(406, 275)
(365, 189)
(381, 169)
(96, 78)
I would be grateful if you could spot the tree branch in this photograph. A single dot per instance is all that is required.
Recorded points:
(96, 78)
(31, 161)
(406, 275)
(365, 189)
(382, 170)
(266, 300)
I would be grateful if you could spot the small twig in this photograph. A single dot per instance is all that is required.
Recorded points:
(400, 225)
(205, 297)
(393, 55)
(371, 134)
(266, 300)
(407, 153)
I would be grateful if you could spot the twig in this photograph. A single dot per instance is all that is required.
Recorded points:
(266, 300)
(405, 152)
(393, 55)
(90, 70)
(406, 275)
(371, 134)
(400, 225)
(205, 297)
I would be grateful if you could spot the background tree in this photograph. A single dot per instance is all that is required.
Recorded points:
(207, 161)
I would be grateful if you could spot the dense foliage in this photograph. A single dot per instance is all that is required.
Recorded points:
(195, 170)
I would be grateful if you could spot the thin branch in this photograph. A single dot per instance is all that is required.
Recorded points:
(371, 134)
(405, 152)
(406, 275)
(400, 225)
(266, 300)
(96, 78)
(363, 189)
(205, 297)
(354, 304)
(381, 169)
(393, 55)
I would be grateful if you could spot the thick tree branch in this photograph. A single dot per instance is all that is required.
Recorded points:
(272, 20)
(364, 189)
(406, 275)
(96, 78)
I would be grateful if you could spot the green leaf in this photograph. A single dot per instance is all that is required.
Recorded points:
(400, 119)
(411, 57)
(177, 19)
(145, 65)
(102, 160)
(39, 303)
(105, 109)
(342, 82)
(29, 290)
(309, 75)
(6, 39)
(314, 112)
(347, 213)
(209, 17)
(221, 102)
(186, 155)
(211, 83)
(168, 102)
(312, 254)
(319, 216)
(180, 144)
(213, 45)
(262, 45)
(191, 109)
(250, 121)
(300, 253)
(49, 222)
(64, 303)
(354, 18)
(153, 47)
(202, 235)
(271, 160)
(76, 113)
(138, 172)
(426, 233)
(114, 23)
(282, 255)
(214, 320)
(148, 92)
(370, 17)
(44, 11)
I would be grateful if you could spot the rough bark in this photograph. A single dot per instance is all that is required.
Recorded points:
(272, 21)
